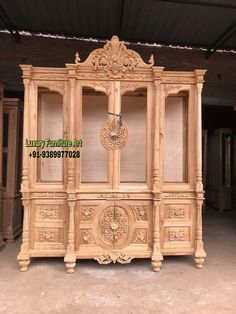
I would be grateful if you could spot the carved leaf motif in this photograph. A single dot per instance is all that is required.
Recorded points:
(86, 237)
(114, 135)
(141, 236)
(48, 236)
(115, 59)
(141, 212)
(176, 212)
(112, 195)
(113, 258)
(87, 213)
(175, 235)
(48, 213)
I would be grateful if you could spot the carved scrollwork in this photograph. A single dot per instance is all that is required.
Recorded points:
(173, 89)
(49, 195)
(141, 236)
(129, 87)
(113, 258)
(141, 212)
(115, 59)
(99, 86)
(87, 213)
(58, 86)
(48, 236)
(176, 212)
(176, 195)
(86, 237)
(112, 195)
(177, 235)
(48, 213)
(114, 135)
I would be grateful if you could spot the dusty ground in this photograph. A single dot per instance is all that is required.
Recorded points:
(134, 288)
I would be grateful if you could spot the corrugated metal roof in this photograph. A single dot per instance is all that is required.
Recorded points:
(194, 23)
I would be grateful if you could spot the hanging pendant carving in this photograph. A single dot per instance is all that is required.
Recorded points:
(114, 134)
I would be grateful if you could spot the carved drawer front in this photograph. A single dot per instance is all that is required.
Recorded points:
(50, 224)
(177, 224)
(112, 225)
(49, 238)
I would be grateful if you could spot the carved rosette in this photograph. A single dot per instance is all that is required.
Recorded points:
(115, 59)
(141, 236)
(114, 134)
(86, 237)
(87, 213)
(48, 236)
(114, 226)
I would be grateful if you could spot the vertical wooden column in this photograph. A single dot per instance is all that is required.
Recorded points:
(70, 258)
(116, 153)
(1, 148)
(157, 256)
(200, 254)
(24, 256)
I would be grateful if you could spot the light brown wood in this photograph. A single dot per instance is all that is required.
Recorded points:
(219, 189)
(12, 149)
(121, 207)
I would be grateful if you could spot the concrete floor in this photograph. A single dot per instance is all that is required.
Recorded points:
(179, 288)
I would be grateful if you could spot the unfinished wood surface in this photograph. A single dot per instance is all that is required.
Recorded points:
(12, 148)
(1, 154)
(115, 203)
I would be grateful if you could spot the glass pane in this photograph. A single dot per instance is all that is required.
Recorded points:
(5, 129)
(133, 155)
(94, 157)
(175, 140)
(50, 111)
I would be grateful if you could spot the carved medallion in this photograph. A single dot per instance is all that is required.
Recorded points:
(86, 237)
(176, 212)
(48, 213)
(114, 134)
(48, 236)
(114, 226)
(87, 213)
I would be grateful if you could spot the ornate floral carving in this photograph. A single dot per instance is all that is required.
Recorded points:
(177, 195)
(86, 237)
(100, 86)
(113, 258)
(48, 213)
(129, 86)
(179, 79)
(112, 195)
(176, 212)
(173, 89)
(58, 86)
(141, 212)
(114, 134)
(115, 59)
(50, 76)
(87, 213)
(177, 235)
(48, 236)
(49, 195)
(114, 225)
(141, 236)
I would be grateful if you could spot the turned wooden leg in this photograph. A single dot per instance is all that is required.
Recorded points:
(24, 264)
(70, 261)
(199, 262)
(156, 265)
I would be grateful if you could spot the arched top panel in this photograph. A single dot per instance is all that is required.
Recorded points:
(115, 59)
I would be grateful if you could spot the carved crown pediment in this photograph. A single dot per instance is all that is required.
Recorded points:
(115, 59)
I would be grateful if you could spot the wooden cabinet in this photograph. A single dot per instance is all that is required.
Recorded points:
(12, 150)
(136, 190)
(1, 129)
(219, 189)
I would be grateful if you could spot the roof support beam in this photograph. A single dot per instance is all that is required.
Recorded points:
(9, 25)
(201, 3)
(230, 31)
